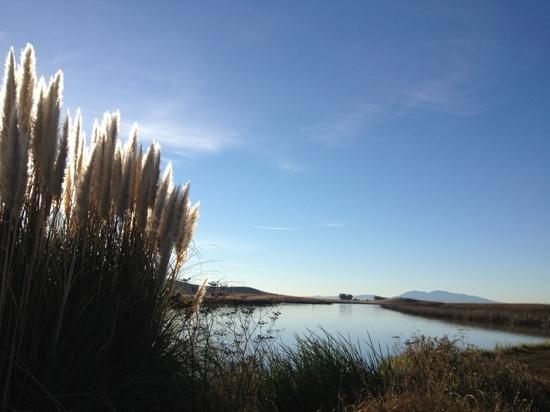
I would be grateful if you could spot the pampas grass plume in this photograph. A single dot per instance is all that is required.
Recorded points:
(61, 162)
(26, 79)
(100, 181)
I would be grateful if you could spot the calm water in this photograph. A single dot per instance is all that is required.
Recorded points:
(385, 327)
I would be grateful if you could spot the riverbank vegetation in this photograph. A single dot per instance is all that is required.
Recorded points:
(237, 365)
(527, 318)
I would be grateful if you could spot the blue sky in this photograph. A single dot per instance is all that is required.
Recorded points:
(363, 147)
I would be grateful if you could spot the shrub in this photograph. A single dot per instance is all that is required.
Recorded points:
(345, 296)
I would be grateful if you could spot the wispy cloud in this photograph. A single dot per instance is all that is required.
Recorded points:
(288, 166)
(454, 92)
(186, 141)
(339, 129)
(278, 228)
(332, 225)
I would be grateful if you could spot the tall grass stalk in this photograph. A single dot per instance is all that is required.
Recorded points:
(85, 265)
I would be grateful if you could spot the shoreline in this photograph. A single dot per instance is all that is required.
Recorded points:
(528, 319)
(522, 318)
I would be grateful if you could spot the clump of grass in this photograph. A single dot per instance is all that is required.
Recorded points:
(446, 375)
(91, 239)
(323, 372)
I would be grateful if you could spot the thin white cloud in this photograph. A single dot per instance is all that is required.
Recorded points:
(452, 95)
(288, 166)
(186, 141)
(332, 225)
(277, 228)
(339, 129)
(455, 92)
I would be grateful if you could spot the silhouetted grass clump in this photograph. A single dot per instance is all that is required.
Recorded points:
(91, 238)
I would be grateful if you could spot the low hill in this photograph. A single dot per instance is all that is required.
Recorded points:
(444, 297)
(359, 297)
(190, 288)
(364, 297)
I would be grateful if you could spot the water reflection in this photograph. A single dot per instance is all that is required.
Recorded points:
(345, 310)
(385, 327)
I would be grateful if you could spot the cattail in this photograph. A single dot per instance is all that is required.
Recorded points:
(61, 161)
(26, 79)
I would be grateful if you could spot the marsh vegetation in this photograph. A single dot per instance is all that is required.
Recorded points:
(518, 317)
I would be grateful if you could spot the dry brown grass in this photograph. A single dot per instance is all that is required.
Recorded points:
(440, 375)
(526, 318)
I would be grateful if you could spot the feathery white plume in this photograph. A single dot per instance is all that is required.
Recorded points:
(8, 134)
(61, 161)
(26, 79)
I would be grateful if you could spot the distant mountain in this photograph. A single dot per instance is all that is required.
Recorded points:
(444, 296)
(364, 297)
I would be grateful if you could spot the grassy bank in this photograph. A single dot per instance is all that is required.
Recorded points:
(248, 299)
(525, 318)
(324, 372)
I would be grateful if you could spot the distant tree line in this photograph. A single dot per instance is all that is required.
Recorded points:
(345, 296)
